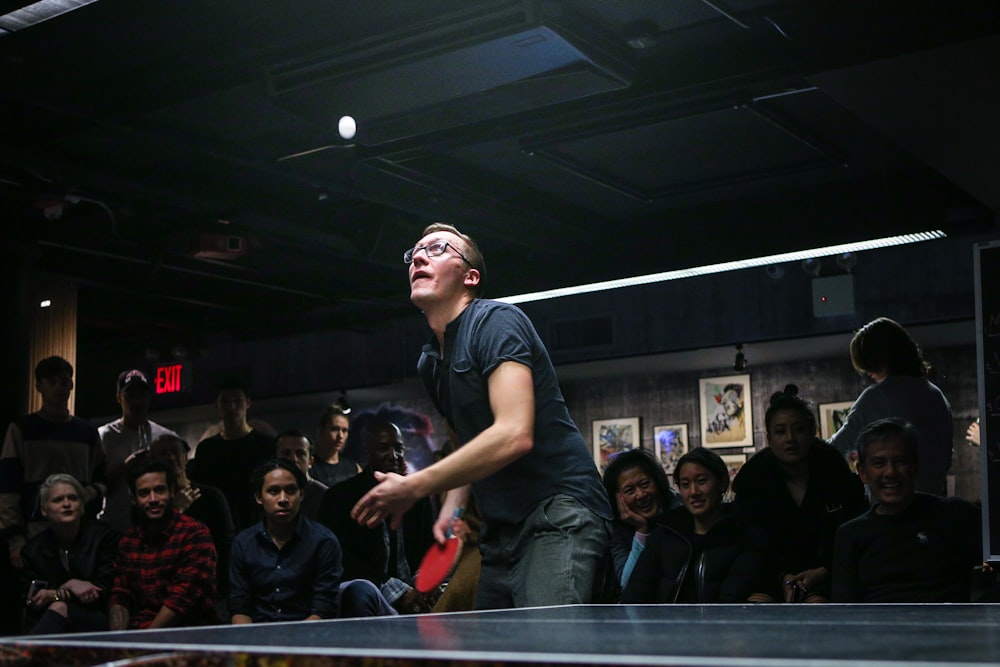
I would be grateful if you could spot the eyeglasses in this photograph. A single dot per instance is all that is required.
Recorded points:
(435, 249)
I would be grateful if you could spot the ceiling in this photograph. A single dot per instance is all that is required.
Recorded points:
(181, 161)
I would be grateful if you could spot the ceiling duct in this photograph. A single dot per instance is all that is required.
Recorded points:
(464, 68)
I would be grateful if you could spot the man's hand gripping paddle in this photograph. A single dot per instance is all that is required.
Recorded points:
(440, 560)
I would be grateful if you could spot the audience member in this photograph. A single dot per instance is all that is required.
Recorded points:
(884, 351)
(165, 569)
(379, 553)
(910, 546)
(69, 566)
(296, 447)
(132, 432)
(799, 489)
(288, 567)
(227, 460)
(489, 374)
(702, 552)
(330, 465)
(201, 502)
(640, 494)
(42, 443)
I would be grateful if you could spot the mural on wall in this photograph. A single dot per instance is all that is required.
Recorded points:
(670, 442)
(832, 416)
(726, 412)
(612, 436)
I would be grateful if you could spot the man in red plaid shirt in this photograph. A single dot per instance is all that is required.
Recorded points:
(165, 571)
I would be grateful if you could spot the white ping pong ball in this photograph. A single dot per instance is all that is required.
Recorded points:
(347, 127)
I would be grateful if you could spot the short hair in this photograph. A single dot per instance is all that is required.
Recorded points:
(644, 461)
(51, 367)
(294, 433)
(889, 429)
(145, 465)
(232, 383)
(45, 488)
(709, 460)
(262, 470)
(331, 411)
(789, 399)
(472, 252)
(884, 346)
(176, 439)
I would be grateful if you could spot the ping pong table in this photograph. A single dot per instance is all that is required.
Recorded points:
(598, 635)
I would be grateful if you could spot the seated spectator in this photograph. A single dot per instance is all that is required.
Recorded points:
(71, 563)
(330, 465)
(296, 447)
(640, 495)
(379, 554)
(165, 569)
(701, 552)
(910, 546)
(288, 567)
(199, 501)
(800, 490)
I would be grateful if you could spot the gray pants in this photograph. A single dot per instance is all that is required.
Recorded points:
(550, 559)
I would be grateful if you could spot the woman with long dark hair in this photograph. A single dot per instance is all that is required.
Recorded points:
(885, 352)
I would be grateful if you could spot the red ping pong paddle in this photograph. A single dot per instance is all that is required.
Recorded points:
(439, 562)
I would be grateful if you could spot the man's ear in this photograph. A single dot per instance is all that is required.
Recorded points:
(472, 278)
(258, 498)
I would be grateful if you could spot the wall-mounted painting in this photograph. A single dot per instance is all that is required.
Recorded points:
(612, 436)
(733, 463)
(726, 412)
(670, 442)
(832, 416)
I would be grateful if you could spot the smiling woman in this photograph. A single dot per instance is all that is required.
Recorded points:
(69, 565)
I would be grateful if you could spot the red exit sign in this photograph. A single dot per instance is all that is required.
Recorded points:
(171, 379)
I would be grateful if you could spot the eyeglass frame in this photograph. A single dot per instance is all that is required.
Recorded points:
(410, 253)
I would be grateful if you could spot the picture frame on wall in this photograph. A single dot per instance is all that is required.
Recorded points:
(612, 436)
(733, 464)
(670, 442)
(726, 411)
(832, 416)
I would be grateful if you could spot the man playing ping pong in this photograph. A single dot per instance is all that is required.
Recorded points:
(545, 514)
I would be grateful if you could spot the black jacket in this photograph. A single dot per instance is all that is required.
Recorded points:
(728, 568)
(800, 537)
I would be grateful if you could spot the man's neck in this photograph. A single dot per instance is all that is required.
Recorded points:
(134, 423)
(279, 533)
(54, 413)
(441, 315)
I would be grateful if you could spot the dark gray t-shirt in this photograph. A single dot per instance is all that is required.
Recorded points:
(486, 334)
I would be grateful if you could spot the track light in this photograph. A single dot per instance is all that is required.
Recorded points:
(740, 363)
(342, 403)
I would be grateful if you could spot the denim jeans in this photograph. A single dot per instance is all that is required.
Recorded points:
(552, 558)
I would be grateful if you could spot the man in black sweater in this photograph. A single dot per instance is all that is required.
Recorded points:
(909, 547)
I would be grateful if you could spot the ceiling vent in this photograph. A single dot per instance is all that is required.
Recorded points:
(464, 68)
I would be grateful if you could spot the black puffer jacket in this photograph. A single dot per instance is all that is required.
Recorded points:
(728, 568)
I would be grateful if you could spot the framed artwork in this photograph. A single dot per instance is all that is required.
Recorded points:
(733, 463)
(726, 411)
(670, 442)
(612, 436)
(832, 416)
